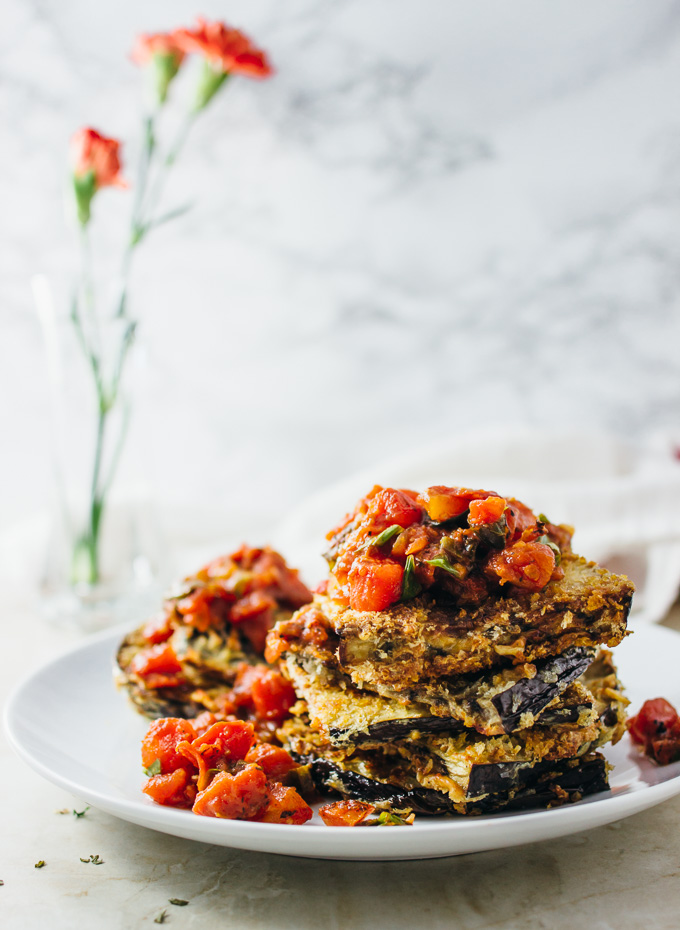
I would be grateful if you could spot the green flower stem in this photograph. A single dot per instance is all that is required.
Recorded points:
(136, 226)
(211, 80)
(156, 191)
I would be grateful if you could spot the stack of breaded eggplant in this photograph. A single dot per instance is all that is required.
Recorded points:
(457, 660)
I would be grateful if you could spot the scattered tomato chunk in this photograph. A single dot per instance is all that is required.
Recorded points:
(174, 789)
(226, 739)
(525, 564)
(373, 584)
(265, 691)
(390, 507)
(656, 728)
(284, 805)
(274, 761)
(345, 813)
(486, 511)
(159, 659)
(442, 503)
(235, 797)
(161, 743)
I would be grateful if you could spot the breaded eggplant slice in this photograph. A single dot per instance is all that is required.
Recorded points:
(209, 660)
(429, 639)
(546, 785)
(350, 716)
(601, 680)
(180, 662)
(509, 699)
(464, 766)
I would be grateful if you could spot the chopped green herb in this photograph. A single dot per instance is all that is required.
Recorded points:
(82, 813)
(180, 590)
(542, 518)
(388, 819)
(447, 566)
(40, 864)
(410, 585)
(386, 535)
(546, 541)
(162, 917)
(178, 902)
(95, 860)
(494, 534)
(154, 768)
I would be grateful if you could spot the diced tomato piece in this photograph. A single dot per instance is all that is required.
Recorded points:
(486, 511)
(174, 789)
(274, 761)
(160, 659)
(156, 680)
(256, 630)
(249, 606)
(225, 740)
(443, 503)
(666, 749)
(655, 718)
(158, 629)
(265, 691)
(284, 805)
(273, 696)
(373, 584)
(234, 797)
(161, 742)
(275, 646)
(390, 507)
(525, 564)
(520, 520)
(221, 567)
(412, 540)
(197, 609)
(345, 813)
(203, 722)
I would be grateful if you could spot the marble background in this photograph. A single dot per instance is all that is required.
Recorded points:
(435, 216)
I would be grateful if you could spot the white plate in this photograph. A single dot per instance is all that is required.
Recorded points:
(69, 723)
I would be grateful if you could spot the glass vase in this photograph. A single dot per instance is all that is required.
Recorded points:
(104, 553)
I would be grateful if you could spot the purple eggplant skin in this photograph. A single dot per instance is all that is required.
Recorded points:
(388, 730)
(546, 784)
(575, 777)
(327, 775)
(532, 694)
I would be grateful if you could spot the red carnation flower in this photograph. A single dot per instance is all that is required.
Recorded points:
(158, 43)
(90, 151)
(96, 163)
(229, 49)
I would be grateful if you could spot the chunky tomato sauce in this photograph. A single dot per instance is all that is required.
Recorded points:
(244, 592)
(219, 768)
(467, 543)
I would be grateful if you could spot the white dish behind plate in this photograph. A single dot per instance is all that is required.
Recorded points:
(69, 723)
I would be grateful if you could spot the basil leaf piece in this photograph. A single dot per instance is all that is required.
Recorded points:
(153, 769)
(386, 535)
(447, 566)
(410, 586)
(546, 541)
